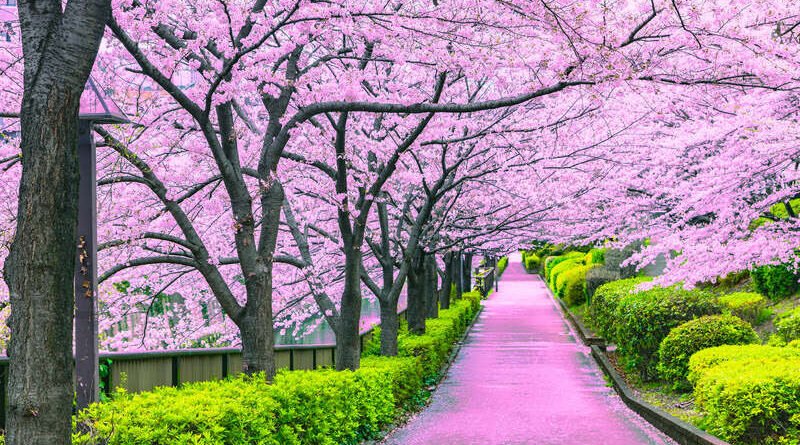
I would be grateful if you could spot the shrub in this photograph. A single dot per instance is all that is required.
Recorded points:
(595, 256)
(553, 261)
(788, 325)
(571, 285)
(643, 320)
(321, 407)
(558, 269)
(745, 305)
(692, 336)
(596, 277)
(752, 401)
(501, 266)
(604, 304)
(776, 282)
(532, 262)
(704, 360)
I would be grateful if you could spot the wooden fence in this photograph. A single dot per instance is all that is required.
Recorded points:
(143, 371)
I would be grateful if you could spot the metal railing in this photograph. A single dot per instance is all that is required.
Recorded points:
(485, 280)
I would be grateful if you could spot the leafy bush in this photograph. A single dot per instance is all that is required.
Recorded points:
(745, 305)
(692, 336)
(702, 361)
(532, 262)
(788, 325)
(321, 407)
(752, 401)
(595, 256)
(604, 304)
(643, 319)
(553, 261)
(501, 266)
(776, 282)
(596, 277)
(570, 285)
(558, 269)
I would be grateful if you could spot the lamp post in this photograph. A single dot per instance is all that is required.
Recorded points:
(95, 108)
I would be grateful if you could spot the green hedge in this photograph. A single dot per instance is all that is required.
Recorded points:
(532, 262)
(706, 359)
(776, 282)
(560, 268)
(753, 401)
(787, 325)
(692, 336)
(595, 256)
(604, 304)
(501, 266)
(553, 261)
(643, 319)
(745, 305)
(322, 407)
(570, 284)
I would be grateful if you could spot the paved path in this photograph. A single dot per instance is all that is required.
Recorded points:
(521, 378)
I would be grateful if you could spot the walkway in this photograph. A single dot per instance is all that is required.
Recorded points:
(520, 378)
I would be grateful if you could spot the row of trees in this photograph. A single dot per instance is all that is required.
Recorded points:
(290, 157)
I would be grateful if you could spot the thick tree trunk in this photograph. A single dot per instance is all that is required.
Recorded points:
(348, 338)
(59, 48)
(467, 272)
(258, 339)
(431, 287)
(417, 310)
(447, 281)
(40, 271)
(390, 324)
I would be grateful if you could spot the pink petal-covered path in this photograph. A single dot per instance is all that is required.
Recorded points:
(521, 378)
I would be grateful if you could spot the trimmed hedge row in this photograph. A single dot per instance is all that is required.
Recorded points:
(602, 311)
(501, 266)
(750, 394)
(566, 274)
(643, 319)
(701, 333)
(321, 407)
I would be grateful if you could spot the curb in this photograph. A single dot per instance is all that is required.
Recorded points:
(682, 432)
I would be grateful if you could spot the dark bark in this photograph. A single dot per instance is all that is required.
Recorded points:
(457, 275)
(467, 272)
(59, 49)
(431, 287)
(417, 309)
(390, 324)
(447, 281)
(348, 338)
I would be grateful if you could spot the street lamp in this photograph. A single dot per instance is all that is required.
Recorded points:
(95, 108)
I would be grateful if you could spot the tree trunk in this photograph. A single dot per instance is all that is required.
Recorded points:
(390, 324)
(39, 272)
(431, 287)
(417, 310)
(258, 338)
(447, 281)
(457, 275)
(467, 272)
(59, 48)
(348, 335)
